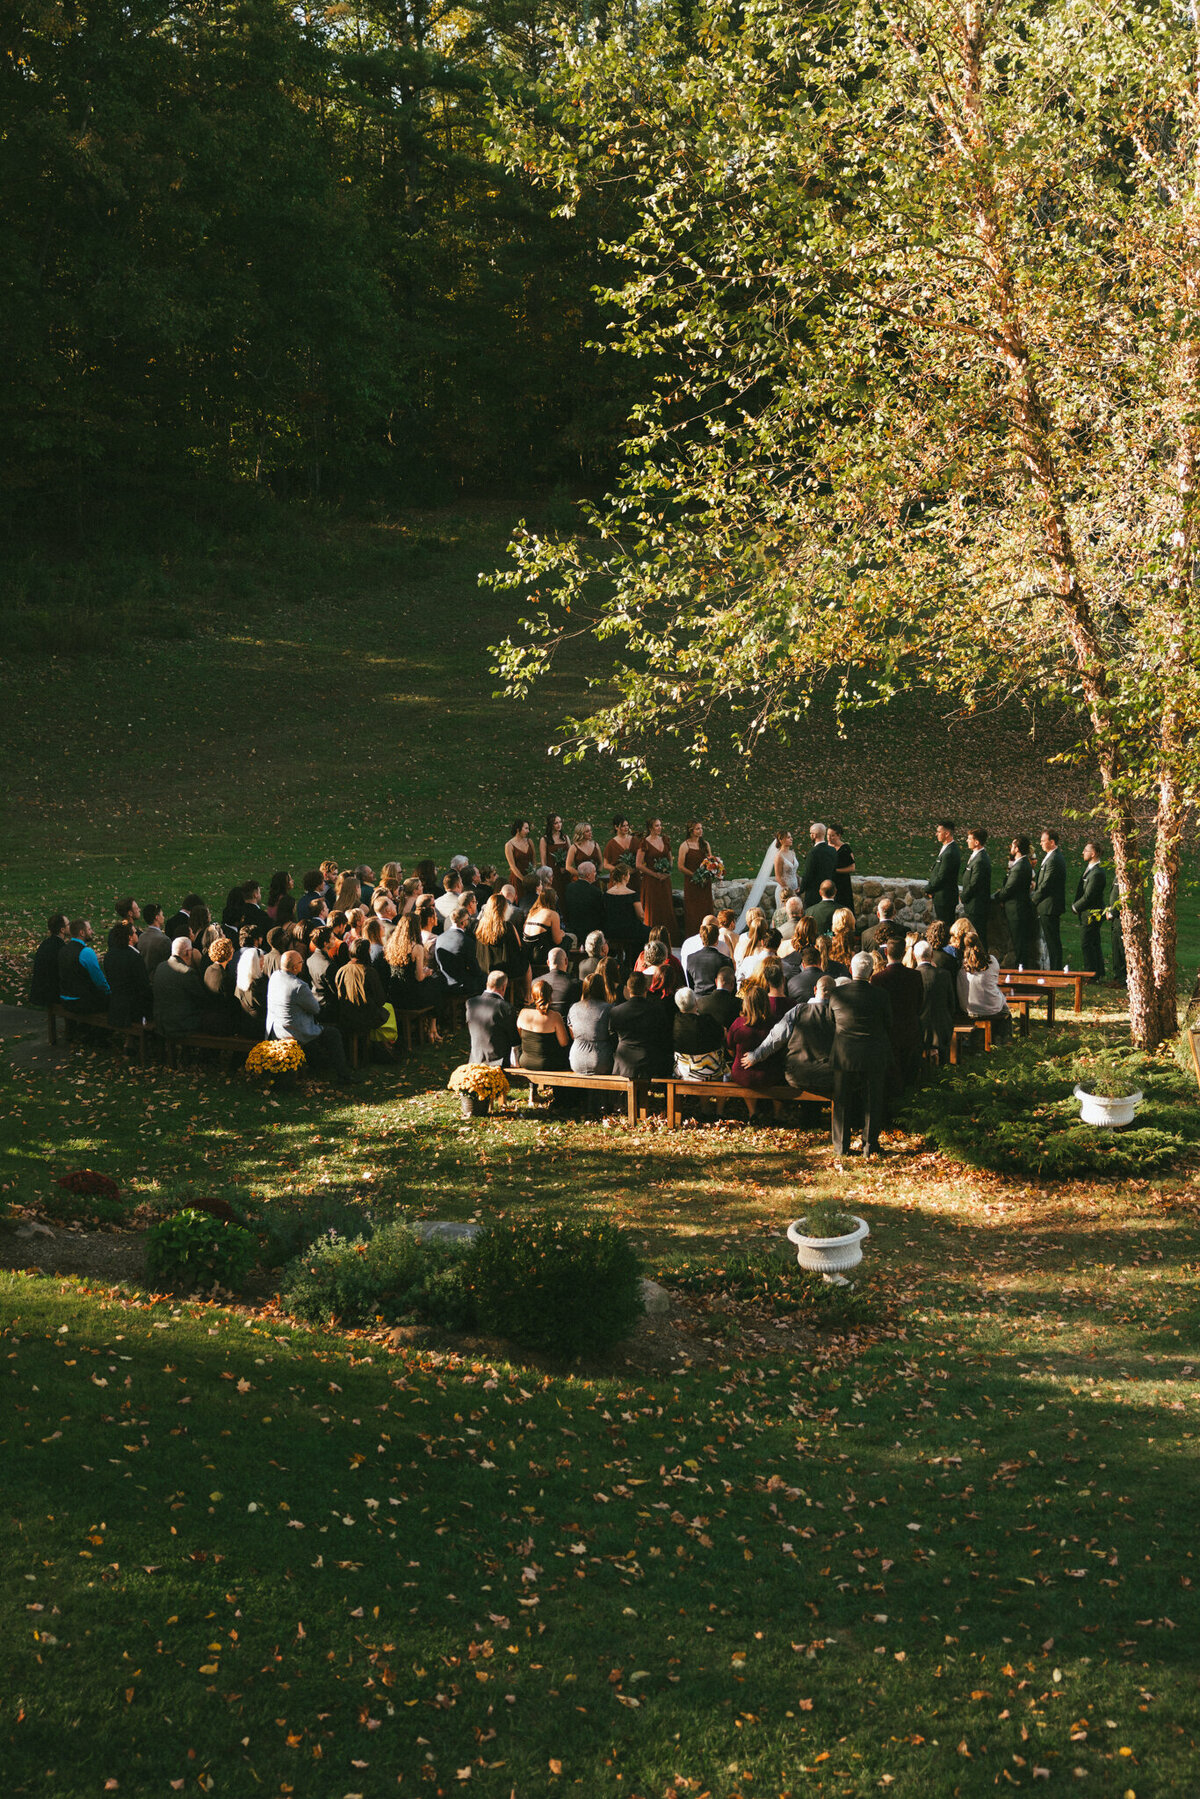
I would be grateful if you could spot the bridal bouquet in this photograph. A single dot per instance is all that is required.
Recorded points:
(711, 869)
(661, 865)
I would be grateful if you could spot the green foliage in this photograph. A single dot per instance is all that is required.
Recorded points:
(565, 1288)
(292, 1223)
(391, 1276)
(192, 1250)
(770, 1278)
(1109, 1074)
(1016, 1114)
(825, 1218)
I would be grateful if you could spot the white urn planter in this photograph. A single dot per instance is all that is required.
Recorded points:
(1107, 1111)
(830, 1256)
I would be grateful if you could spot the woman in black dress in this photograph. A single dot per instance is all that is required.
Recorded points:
(624, 920)
(498, 946)
(545, 1039)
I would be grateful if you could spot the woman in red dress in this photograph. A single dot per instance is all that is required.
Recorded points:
(518, 853)
(622, 846)
(697, 894)
(654, 866)
(584, 848)
(553, 851)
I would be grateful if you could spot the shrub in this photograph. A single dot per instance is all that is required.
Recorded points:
(291, 1226)
(193, 1250)
(824, 1218)
(566, 1288)
(1017, 1114)
(392, 1275)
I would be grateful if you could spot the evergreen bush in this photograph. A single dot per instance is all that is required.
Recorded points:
(391, 1276)
(561, 1287)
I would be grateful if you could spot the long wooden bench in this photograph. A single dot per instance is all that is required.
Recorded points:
(1060, 978)
(132, 1033)
(722, 1094)
(1039, 992)
(636, 1093)
(232, 1046)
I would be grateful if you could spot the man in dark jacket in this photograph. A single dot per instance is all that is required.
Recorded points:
(130, 1001)
(1088, 908)
(722, 1003)
(906, 991)
(937, 1010)
(583, 903)
(822, 912)
(1050, 897)
(154, 946)
(82, 986)
(43, 977)
(861, 1056)
(977, 884)
(943, 876)
(320, 968)
(802, 985)
(820, 865)
(1016, 896)
(705, 964)
(806, 1033)
(644, 1030)
(180, 925)
(454, 953)
(564, 989)
(492, 1023)
(178, 990)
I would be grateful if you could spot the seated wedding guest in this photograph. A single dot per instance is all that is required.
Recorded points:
(313, 895)
(777, 999)
(178, 990)
(322, 968)
(484, 884)
(822, 912)
(592, 1041)
(697, 1040)
(348, 893)
(413, 983)
(911, 940)
(274, 946)
(213, 935)
(43, 978)
(450, 898)
(805, 1036)
(906, 991)
(429, 925)
(842, 944)
(180, 925)
(358, 994)
(250, 983)
(883, 916)
(427, 874)
(596, 949)
(329, 880)
(279, 885)
(624, 917)
(802, 985)
(643, 1030)
(220, 1014)
(384, 906)
(663, 974)
(365, 876)
(129, 999)
(455, 955)
(82, 986)
(583, 903)
(544, 1036)
(979, 991)
(722, 1003)
(127, 911)
(609, 971)
(253, 910)
(564, 989)
(793, 912)
(285, 909)
(372, 936)
(542, 930)
(937, 1012)
(861, 1057)
(154, 946)
(517, 913)
(492, 1023)
(945, 951)
(391, 877)
(498, 946)
(747, 1032)
(293, 1013)
(199, 921)
(707, 959)
(726, 920)
(410, 895)
(752, 949)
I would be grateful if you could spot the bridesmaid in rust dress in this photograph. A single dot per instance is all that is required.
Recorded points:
(553, 851)
(654, 864)
(697, 895)
(518, 853)
(622, 847)
(584, 848)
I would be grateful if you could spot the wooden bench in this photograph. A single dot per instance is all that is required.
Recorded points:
(230, 1046)
(1037, 991)
(636, 1092)
(134, 1033)
(724, 1093)
(1058, 978)
(965, 1029)
(421, 1020)
(1020, 1009)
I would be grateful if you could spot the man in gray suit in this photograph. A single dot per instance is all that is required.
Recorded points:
(293, 1011)
(1050, 897)
(178, 990)
(492, 1023)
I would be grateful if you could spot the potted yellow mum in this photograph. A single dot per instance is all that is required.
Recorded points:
(477, 1085)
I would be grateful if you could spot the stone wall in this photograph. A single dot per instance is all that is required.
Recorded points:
(913, 906)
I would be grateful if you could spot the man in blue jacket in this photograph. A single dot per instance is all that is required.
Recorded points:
(82, 985)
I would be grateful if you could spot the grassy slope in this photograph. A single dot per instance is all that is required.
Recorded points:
(336, 699)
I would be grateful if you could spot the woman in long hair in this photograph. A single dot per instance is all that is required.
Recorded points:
(584, 848)
(622, 846)
(409, 986)
(543, 930)
(281, 883)
(654, 865)
(553, 850)
(699, 867)
(842, 944)
(498, 946)
(518, 853)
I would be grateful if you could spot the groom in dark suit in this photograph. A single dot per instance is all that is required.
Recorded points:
(1089, 909)
(977, 884)
(1050, 897)
(943, 876)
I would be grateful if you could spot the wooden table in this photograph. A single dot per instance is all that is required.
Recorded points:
(1030, 991)
(1060, 978)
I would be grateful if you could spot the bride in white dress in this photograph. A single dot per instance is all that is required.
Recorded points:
(778, 869)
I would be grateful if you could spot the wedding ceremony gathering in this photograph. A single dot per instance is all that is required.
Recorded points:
(600, 945)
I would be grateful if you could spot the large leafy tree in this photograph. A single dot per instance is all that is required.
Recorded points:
(923, 276)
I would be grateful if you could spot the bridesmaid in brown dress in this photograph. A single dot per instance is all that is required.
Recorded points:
(584, 848)
(518, 853)
(654, 863)
(697, 895)
(622, 847)
(553, 851)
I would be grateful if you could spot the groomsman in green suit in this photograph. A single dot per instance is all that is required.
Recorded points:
(1050, 897)
(943, 876)
(1088, 908)
(977, 884)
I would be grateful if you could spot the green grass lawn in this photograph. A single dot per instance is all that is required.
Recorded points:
(947, 1552)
